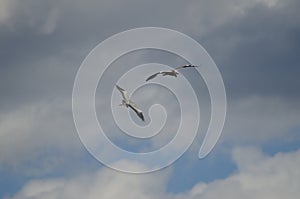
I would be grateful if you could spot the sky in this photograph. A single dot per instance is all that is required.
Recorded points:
(254, 43)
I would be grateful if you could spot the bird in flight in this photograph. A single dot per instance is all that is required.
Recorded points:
(173, 73)
(128, 103)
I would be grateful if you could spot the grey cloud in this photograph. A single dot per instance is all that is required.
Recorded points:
(258, 51)
(37, 66)
(258, 121)
(254, 43)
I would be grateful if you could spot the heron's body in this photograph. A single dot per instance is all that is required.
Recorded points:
(173, 73)
(128, 103)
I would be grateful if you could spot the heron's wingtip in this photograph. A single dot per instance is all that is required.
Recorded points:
(119, 88)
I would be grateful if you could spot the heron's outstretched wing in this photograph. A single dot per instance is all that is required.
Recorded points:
(185, 66)
(123, 92)
(137, 110)
(153, 76)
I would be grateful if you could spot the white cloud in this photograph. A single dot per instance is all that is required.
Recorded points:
(258, 176)
(103, 184)
(32, 132)
(267, 177)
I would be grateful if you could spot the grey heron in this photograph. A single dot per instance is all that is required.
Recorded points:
(173, 73)
(128, 103)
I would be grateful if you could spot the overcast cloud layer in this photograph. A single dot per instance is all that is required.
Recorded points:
(255, 44)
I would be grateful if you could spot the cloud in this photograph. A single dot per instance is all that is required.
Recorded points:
(258, 176)
(5, 9)
(50, 24)
(105, 183)
(256, 53)
(254, 43)
(21, 14)
(37, 139)
(259, 120)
